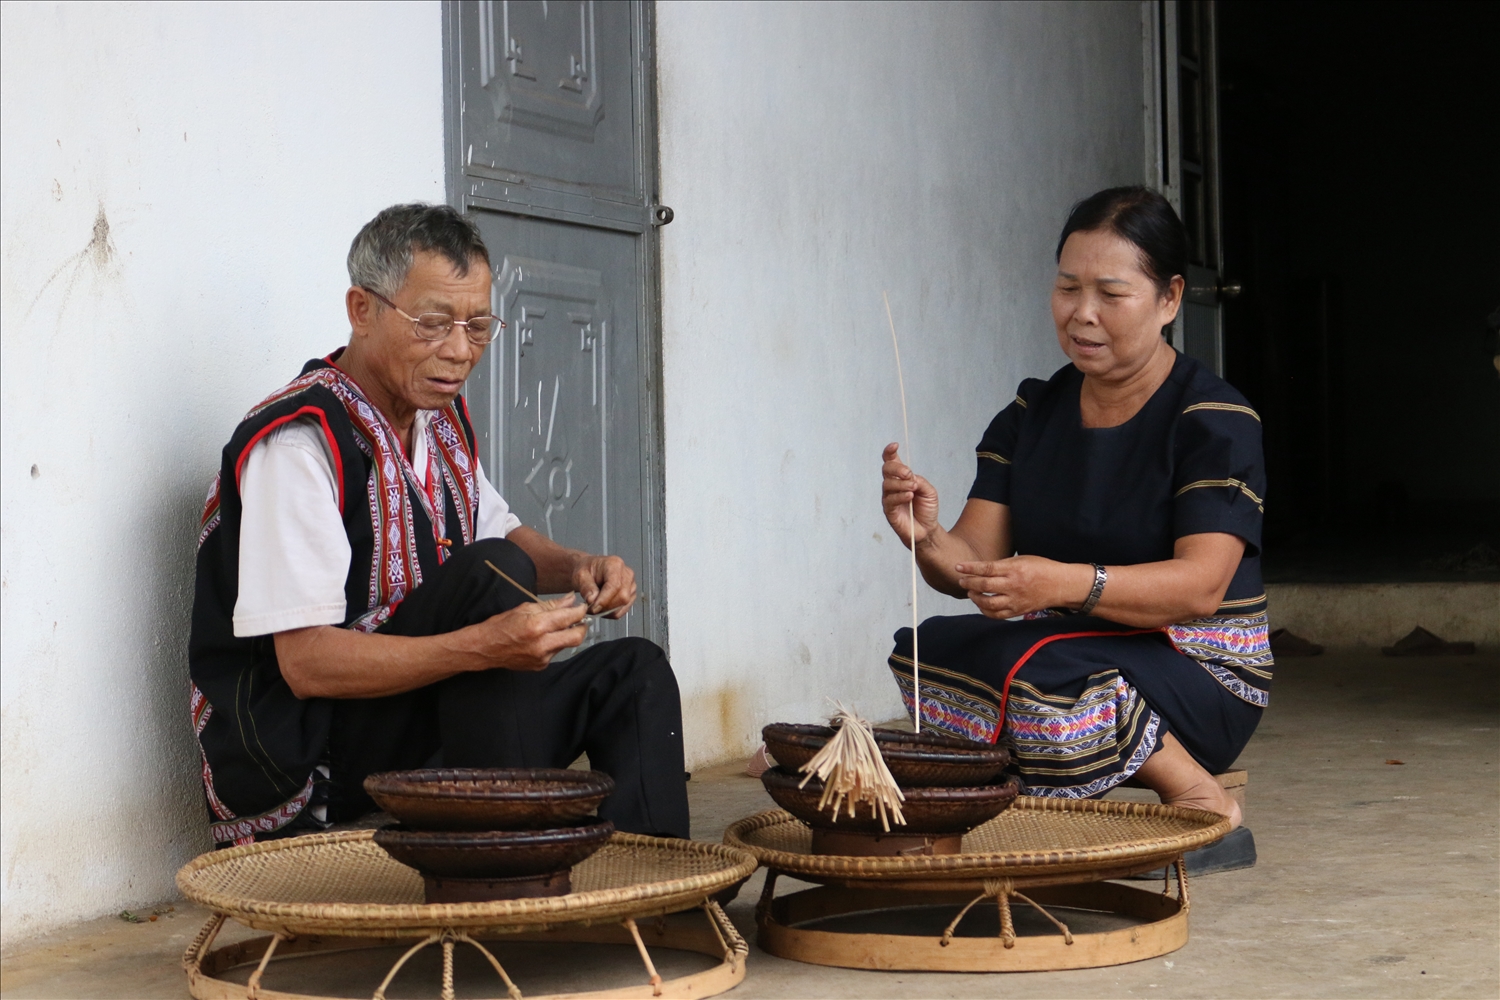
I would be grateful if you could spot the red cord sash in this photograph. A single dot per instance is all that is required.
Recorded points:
(1021, 662)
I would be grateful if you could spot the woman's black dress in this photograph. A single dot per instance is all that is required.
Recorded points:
(1083, 701)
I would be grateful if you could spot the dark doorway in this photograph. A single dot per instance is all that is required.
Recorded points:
(1360, 153)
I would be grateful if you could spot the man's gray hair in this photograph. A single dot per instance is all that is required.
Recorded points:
(381, 255)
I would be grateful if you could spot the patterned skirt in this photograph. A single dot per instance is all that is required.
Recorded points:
(1081, 702)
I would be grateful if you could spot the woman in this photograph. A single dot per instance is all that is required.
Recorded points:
(1117, 514)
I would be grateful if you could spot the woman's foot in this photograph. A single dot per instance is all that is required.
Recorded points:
(1173, 774)
(1211, 797)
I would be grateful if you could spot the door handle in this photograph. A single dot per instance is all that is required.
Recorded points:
(1213, 291)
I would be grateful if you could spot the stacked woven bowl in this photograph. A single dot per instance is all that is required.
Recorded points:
(950, 785)
(477, 835)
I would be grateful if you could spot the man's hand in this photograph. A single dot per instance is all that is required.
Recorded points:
(329, 662)
(529, 636)
(1006, 588)
(606, 585)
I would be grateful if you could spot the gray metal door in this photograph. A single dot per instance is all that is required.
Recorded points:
(1190, 168)
(551, 148)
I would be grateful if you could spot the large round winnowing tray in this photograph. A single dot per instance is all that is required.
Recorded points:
(1061, 852)
(342, 883)
(339, 890)
(1038, 841)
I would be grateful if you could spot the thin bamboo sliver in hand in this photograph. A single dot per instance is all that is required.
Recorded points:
(506, 577)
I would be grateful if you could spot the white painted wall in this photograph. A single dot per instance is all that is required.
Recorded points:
(816, 154)
(180, 185)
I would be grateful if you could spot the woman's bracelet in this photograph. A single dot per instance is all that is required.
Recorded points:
(1101, 577)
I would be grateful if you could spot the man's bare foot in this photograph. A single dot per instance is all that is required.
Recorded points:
(1172, 773)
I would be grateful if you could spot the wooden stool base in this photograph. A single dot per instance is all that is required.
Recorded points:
(885, 845)
(1163, 928)
(482, 890)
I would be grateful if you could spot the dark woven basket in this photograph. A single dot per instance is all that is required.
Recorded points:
(493, 799)
(927, 810)
(916, 760)
(494, 854)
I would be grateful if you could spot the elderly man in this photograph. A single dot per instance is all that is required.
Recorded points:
(347, 618)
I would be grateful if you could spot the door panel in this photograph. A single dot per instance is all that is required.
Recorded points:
(561, 422)
(548, 107)
(561, 333)
(547, 124)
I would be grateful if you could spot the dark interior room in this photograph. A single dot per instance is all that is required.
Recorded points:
(1360, 215)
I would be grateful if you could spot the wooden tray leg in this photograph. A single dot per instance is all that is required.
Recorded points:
(719, 939)
(510, 988)
(640, 946)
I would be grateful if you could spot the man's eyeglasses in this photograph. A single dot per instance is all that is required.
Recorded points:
(436, 326)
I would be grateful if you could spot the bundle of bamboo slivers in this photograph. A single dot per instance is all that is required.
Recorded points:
(884, 791)
(853, 771)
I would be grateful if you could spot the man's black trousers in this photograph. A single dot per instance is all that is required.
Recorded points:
(616, 701)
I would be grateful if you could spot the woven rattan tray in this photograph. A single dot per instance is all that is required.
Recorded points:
(1037, 841)
(343, 884)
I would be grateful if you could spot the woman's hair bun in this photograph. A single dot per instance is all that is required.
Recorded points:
(1140, 216)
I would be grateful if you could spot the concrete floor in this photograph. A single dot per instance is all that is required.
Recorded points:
(1375, 879)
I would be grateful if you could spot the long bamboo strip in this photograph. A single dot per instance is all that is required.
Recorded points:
(911, 513)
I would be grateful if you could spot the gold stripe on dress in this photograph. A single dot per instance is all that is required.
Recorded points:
(1229, 407)
(1242, 602)
(929, 671)
(1222, 482)
(993, 457)
(1021, 401)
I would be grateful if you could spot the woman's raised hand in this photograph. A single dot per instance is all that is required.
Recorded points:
(904, 492)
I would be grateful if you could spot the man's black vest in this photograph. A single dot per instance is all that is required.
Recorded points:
(261, 743)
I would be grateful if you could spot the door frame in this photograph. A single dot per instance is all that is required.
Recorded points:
(1163, 140)
(461, 194)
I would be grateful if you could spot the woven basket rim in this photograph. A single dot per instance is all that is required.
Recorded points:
(784, 778)
(398, 833)
(914, 747)
(352, 918)
(1211, 827)
(489, 784)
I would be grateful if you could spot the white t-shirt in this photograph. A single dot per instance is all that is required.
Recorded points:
(294, 553)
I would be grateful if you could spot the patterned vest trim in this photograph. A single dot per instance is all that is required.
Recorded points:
(251, 760)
